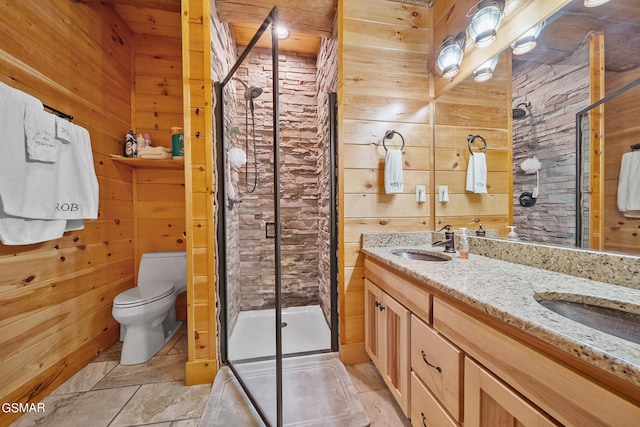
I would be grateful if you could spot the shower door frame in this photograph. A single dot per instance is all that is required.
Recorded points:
(270, 21)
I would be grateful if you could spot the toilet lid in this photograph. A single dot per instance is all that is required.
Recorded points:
(147, 294)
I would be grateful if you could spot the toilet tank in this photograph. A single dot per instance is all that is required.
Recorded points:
(170, 266)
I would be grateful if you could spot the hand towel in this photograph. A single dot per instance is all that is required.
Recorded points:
(24, 231)
(40, 135)
(477, 173)
(63, 130)
(393, 180)
(629, 184)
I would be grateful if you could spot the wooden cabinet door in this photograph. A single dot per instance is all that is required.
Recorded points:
(373, 324)
(386, 339)
(395, 334)
(491, 403)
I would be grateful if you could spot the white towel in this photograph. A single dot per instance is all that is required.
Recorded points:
(63, 130)
(477, 173)
(393, 180)
(40, 135)
(629, 185)
(67, 189)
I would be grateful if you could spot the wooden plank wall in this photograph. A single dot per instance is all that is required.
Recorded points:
(199, 185)
(55, 297)
(473, 108)
(621, 130)
(157, 102)
(383, 84)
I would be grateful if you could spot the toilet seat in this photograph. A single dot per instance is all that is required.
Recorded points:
(135, 297)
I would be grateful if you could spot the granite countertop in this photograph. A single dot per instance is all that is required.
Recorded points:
(506, 291)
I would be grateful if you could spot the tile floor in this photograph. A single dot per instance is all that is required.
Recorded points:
(153, 394)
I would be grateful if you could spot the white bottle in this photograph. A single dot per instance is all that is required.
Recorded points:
(464, 244)
(512, 234)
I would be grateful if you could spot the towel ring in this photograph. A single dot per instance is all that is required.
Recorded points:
(389, 135)
(472, 138)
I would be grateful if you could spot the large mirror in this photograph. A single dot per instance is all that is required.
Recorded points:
(561, 77)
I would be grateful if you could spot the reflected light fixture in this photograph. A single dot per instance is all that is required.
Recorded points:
(485, 70)
(527, 41)
(594, 3)
(283, 32)
(486, 17)
(450, 56)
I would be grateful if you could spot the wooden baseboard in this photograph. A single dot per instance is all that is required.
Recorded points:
(351, 354)
(201, 372)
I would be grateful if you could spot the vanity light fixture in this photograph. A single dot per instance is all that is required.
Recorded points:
(594, 3)
(527, 41)
(486, 17)
(283, 32)
(450, 56)
(485, 70)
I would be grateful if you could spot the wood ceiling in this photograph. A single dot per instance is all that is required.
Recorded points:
(309, 20)
(567, 30)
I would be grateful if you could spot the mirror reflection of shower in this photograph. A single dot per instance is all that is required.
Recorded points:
(250, 93)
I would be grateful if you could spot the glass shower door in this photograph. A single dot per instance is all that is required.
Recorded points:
(249, 149)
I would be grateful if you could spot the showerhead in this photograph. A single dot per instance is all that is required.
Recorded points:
(252, 93)
(520, 113)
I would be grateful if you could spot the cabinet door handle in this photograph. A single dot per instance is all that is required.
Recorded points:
(424, 357)
(424, 419)
(377, 304)
(381, 307)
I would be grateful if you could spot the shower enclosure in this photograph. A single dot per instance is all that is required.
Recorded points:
(267, 229)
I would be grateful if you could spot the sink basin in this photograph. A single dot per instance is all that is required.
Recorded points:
(422, 256)
(619, 323)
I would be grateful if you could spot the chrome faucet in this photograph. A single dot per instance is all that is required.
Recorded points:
(448, 240)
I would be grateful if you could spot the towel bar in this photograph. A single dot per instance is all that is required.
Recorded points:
(472, 138)
(389, 135)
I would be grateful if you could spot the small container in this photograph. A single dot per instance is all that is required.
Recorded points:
(130, 145)
(480, 232)
(512, 234)
(464, 244)
(177, 142)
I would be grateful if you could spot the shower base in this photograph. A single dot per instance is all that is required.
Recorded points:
(254, 334)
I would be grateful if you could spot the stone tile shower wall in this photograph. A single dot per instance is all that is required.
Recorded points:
(327, 81)
(299, 184)
(223, 56)
(556, 93)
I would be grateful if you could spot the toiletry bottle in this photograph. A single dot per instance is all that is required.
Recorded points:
(464, 244)
(480, 232)
(512, 234)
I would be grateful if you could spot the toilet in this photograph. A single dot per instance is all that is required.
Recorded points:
(146, 313)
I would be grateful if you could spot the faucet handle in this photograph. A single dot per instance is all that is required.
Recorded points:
(448, 227)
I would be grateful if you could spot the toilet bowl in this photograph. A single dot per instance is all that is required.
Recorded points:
(146, 313)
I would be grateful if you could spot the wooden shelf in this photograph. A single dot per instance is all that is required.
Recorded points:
(149, 163)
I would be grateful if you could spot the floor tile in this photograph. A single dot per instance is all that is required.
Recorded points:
(382, 409)
(166, 349)
(181, 346)
(159, 369)
(93, 408)
(365, 377)
(163, 402)
(110, 354)
(88, 377)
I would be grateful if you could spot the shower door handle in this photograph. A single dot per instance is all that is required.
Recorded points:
(270, 230)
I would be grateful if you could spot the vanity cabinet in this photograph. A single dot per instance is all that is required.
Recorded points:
(489, 402)
(387, 340)
(469, 369)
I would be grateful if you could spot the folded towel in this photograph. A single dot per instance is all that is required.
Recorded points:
(153, 150)
(162, 155)
(628, 184)
(24, 231)
(40, 135)
(477, 173)
(393, 181)
(63, 130)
